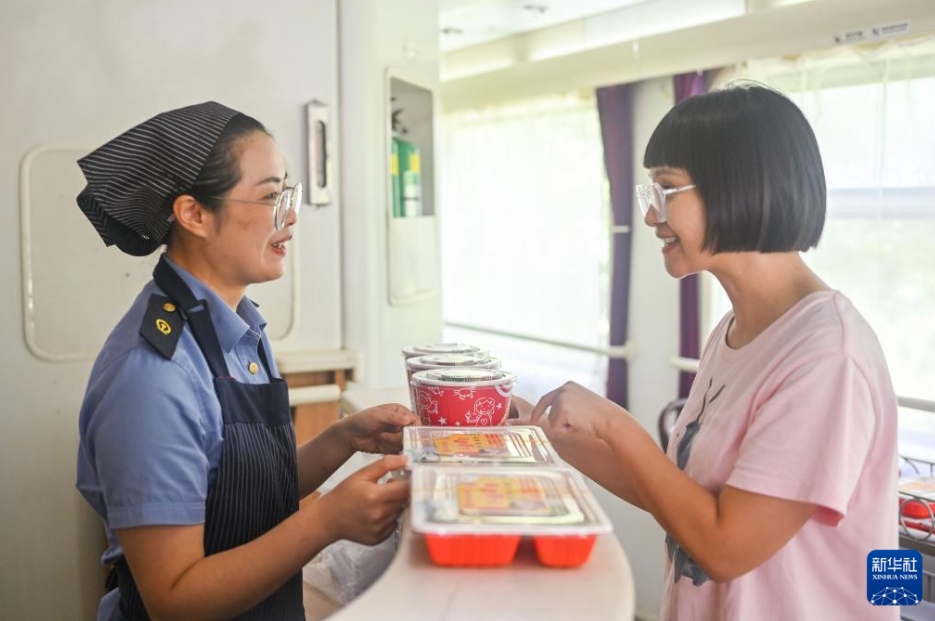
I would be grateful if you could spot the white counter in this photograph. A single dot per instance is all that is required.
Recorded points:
(413, 588)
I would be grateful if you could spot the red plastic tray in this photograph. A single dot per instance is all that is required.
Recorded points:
(497, 550)
(915, 508)
(472, 550)
(570, 551)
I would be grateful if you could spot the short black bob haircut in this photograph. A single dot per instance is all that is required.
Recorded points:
(755, 163)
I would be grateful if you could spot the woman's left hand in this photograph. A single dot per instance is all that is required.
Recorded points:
(378, 429)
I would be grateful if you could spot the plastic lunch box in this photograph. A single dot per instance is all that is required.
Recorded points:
(505, 446)
(475, 516)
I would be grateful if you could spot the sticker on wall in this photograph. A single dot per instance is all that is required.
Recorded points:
(872, 33)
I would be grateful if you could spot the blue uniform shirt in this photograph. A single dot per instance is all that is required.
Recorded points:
(151, 428)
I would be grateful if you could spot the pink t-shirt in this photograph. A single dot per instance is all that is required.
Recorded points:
(807, 412)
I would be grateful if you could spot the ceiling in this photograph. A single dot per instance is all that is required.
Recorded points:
(469, 22)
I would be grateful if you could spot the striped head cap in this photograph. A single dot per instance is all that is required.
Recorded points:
(133, 179)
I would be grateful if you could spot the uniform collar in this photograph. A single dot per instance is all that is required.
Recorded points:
(230, 326)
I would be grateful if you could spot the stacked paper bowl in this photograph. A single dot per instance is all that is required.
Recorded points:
(458, 385)
(463, 397)
(428, 362)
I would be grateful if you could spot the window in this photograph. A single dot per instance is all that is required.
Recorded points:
(872, 114)
(525, 234)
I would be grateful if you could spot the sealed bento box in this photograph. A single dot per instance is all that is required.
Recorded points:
(475, 516)
(917, 502)
(504, 446)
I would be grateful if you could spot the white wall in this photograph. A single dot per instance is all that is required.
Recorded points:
(77, 73)
(375, 35)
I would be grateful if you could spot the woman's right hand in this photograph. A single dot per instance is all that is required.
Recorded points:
(573, 408)
(363, 510)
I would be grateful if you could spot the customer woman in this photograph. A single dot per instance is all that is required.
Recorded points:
(187, 450)
(780, 476)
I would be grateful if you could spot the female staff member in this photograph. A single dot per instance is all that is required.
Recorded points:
(187, 450)
(781, 472)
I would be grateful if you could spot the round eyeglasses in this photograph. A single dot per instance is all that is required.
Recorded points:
(653, 196)
(286, 202)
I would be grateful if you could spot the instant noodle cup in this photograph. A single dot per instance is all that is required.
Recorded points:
(427, 362)
(476, 516)
(441, 348)
(459, 397)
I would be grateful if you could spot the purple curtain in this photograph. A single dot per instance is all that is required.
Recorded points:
(688, 85)
(614, 110)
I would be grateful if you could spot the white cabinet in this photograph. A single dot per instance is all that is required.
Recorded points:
(412, 228)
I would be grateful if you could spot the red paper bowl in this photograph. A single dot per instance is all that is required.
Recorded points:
(462, 397)
(441, 348)
(428, 362)
(472, 550)
(564, 550)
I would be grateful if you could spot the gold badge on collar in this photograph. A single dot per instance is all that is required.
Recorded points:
(162, 325)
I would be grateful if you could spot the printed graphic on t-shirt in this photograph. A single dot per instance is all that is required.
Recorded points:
(683, 564)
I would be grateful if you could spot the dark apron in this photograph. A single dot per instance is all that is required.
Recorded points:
(257, 483)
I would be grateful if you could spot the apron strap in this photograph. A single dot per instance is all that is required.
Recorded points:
(196, 312)
(261, 347)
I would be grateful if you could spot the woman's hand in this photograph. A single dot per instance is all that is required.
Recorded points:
(573, 408)
(363, 510)
(378, 429)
